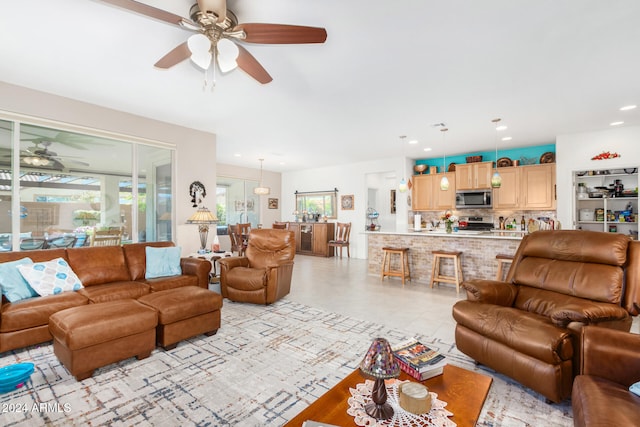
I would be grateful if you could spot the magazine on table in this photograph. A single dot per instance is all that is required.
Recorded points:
(419, 360)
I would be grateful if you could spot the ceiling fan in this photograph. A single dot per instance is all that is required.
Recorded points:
(217, 31)
(43, 157)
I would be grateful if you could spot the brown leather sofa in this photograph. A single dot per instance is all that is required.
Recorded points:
(107, 273)
(528, 326)
(263, 274)
(609, 365)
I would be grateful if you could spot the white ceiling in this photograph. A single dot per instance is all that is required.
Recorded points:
(546, 67)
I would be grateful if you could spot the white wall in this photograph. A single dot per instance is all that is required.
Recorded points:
(574, 153)
(195, 150)
(350, 179)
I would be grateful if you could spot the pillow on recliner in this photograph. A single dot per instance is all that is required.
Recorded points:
(162, 262)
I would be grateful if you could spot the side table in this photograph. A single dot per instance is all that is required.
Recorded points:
(212, 257)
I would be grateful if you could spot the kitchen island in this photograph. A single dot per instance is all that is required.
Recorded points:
(479, 250)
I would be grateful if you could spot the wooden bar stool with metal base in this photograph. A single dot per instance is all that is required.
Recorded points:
(457, 278)
(502, 260)
(403, 271)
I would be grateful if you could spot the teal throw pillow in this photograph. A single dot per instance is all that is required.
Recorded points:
(162, 262)
(13, 285)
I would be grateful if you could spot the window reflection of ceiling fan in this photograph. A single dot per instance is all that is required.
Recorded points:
(43, 157)
(217, 31)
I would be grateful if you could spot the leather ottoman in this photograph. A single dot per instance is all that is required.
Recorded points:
(184, 313)
(96, 335)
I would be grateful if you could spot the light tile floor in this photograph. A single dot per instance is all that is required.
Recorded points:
(344, 286)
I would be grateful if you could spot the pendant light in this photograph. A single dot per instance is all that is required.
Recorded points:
(261, 190)
(496, 179)
(402, 187)
(444, 182)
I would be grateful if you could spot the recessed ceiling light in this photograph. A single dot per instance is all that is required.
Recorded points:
(503, 127)
(615, 123)
(628, 107)
(413, 141)
(427, 149)
(507, 138)
(237, 155)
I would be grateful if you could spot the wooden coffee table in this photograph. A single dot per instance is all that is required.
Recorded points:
(463, 390)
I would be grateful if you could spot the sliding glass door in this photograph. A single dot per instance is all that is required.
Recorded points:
(70, 184)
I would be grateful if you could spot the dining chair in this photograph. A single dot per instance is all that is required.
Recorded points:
(343, 230)
(242, 236)
(30, 244)
(231, 231)
(280, 225)
(61, 242)
(110, 237)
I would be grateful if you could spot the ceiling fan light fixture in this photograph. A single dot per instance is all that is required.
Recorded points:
(226, 55)
(36, 161)
(200, 48)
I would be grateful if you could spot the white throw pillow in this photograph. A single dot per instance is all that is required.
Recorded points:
(50, 277)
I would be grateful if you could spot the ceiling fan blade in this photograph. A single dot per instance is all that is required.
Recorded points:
(251, 66)
(67, 160)
(282, 34)
(147, 10)
(218, 7)
(175, 56)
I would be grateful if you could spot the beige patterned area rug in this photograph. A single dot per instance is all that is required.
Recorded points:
(264, 366)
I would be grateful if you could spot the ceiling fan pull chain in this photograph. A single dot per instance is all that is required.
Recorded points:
(204, 84)
(213, 66)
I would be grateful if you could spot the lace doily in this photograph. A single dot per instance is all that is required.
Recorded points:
(361, 395)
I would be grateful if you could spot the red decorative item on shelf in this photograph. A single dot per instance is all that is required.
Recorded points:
(605, 155)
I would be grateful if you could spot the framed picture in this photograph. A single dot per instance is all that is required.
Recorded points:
(273, 203)
(346, 202)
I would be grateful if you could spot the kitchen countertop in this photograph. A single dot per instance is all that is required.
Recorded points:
(497, 234)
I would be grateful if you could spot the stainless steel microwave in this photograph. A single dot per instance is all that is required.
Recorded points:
(474, 199)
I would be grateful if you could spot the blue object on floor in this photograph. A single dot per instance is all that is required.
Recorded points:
(14, 376)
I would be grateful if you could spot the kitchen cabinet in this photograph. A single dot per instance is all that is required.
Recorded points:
(538, 186)
(531, 187)
(426, 194)
(596, 205)
(312, 238)
(508, 195)
(474, 176)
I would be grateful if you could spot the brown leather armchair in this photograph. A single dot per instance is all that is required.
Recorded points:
(263, 275)
(609, 365)
(528, 326)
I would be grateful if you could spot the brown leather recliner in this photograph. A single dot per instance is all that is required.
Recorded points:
(528, 326)
(263, 275)
(609, 365)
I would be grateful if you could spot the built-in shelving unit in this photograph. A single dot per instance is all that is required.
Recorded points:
(607, 200)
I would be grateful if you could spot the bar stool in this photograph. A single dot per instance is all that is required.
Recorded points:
(403, 271)
(457, 278)
(502, 260)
